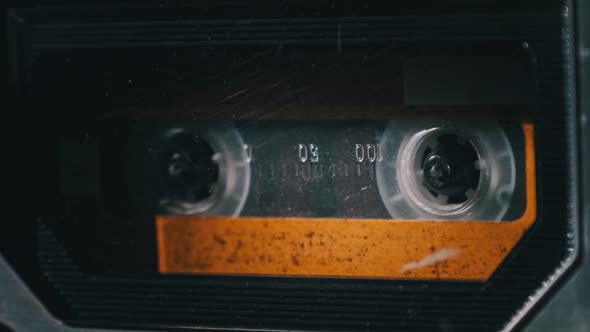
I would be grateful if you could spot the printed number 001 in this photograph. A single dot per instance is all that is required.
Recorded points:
(368, 152)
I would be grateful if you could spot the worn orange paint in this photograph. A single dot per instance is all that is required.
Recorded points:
(366, 248)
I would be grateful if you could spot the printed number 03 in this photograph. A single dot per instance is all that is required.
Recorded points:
(308, 152)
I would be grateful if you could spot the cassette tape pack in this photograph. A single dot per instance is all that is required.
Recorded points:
(295, 166)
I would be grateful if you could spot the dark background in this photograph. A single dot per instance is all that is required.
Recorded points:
(301, 303)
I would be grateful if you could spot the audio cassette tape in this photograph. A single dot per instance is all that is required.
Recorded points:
(297, 166)
(336, 206)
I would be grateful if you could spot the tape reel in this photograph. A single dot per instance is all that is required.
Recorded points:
(446, 170)
(200, 170)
